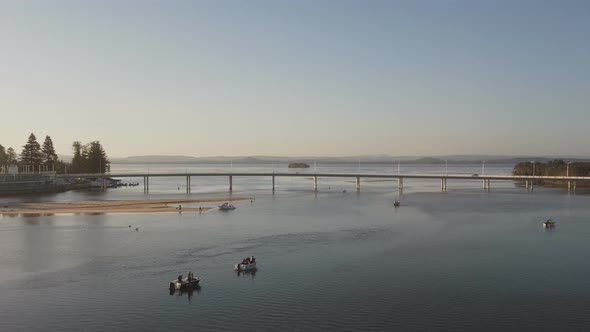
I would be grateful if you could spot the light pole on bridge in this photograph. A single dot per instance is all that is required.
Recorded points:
(483, 167)
(568, 169)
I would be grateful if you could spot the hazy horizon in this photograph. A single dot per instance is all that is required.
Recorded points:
(354, 158)
(298, 78)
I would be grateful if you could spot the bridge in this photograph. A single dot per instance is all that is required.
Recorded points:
(485, 179)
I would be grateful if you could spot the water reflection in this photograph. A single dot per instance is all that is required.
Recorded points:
(89, 213)
(251, 272)
(27, 215)
(188, 292)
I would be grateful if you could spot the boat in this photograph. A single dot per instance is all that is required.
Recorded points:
(396, 203)
(549, 223)
(187, 283)
(226, 207)
(248, 263)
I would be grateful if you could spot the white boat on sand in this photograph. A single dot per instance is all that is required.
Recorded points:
(226, 207)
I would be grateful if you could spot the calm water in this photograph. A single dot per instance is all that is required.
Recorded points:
(458, 260)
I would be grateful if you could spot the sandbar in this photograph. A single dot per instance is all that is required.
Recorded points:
(114, 206)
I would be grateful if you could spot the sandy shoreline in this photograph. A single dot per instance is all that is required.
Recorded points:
(114, 206)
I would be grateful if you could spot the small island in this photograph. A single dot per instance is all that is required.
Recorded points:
(298, 165)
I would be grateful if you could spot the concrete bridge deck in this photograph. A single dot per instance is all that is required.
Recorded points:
(486, 179)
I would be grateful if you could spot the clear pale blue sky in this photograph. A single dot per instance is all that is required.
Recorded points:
(298, 77)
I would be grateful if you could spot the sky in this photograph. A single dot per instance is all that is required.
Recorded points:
(297, 78)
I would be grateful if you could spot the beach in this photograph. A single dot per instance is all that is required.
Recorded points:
(116, 206)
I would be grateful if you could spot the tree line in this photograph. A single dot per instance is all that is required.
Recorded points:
(555, 167)
(88, 158)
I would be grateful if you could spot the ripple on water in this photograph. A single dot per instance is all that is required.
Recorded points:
(376, 270)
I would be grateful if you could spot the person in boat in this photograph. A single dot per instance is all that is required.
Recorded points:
(180, 278)
(190, 276)
(252, 259)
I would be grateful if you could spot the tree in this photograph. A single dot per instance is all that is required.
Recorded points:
(49, 155)
(3, 156)
(31, 153)
(89, 158)
(97, 161)
(78, 161)
(62, 167)
(11, 156)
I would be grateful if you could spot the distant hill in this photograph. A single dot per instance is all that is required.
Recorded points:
(377, 159)
(298, 165)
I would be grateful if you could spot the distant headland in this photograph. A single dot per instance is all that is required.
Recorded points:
(556, 167)
(298, 165)
(368, 159)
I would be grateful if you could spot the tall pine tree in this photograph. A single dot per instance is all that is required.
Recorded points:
(97, 161)
(78, 161)
(3, 156)
(31, 153)
(49, 155)
(11, 156)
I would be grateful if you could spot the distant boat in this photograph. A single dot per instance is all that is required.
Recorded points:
(549, 223)
(396, 203)
(248, 263)
(183, 284)
(226, 207)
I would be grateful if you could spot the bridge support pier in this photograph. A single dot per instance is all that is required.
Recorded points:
(574, 185)
(358, 183)
(146, 184)
(443, 184)
(487, 184)
(400, 183)
(103, 185)
(188, 184)
(231, 184)
(315, 183)
(273, 183)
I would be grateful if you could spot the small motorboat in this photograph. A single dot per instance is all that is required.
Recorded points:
(396, 203)
(549, 223)
(181, 283)
(226, 207)
(248, 263)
